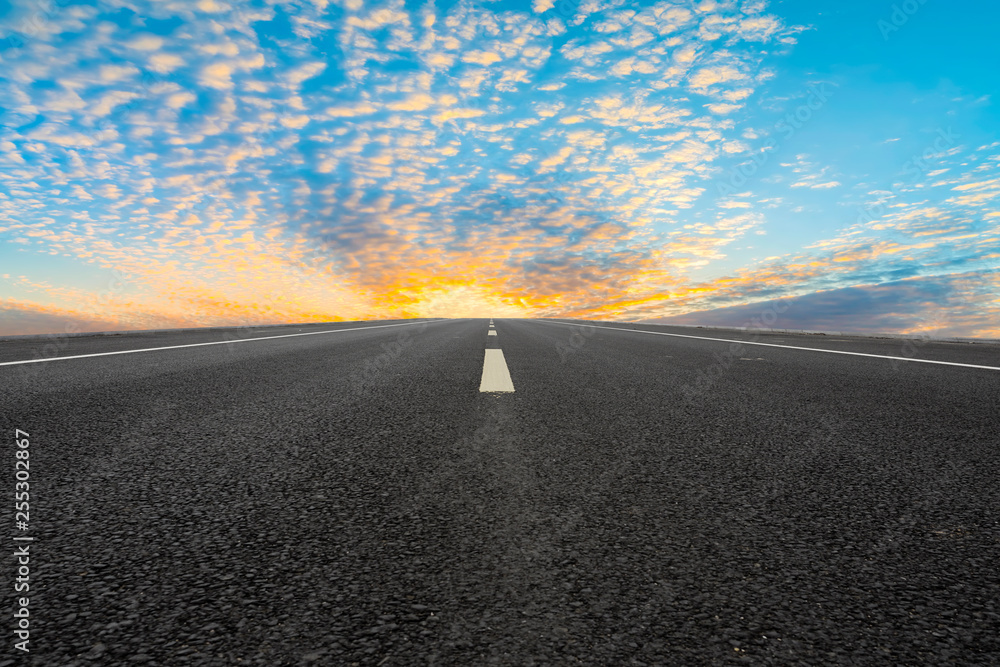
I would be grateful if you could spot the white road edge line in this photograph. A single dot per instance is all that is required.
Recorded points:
(787, 347)
(496, 377)
(216, 342)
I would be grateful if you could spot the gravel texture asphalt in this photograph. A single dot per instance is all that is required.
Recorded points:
(352, 498)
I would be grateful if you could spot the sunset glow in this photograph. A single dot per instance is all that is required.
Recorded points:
(183, 163)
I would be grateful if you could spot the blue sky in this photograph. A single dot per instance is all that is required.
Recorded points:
(203, 163)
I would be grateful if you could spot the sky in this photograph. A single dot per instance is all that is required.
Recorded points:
(184, 163)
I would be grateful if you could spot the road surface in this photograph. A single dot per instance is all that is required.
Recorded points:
(366, 494)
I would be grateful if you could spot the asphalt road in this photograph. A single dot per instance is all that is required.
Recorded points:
(638, 499)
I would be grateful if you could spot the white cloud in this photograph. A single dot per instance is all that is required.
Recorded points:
(217, 75)
(418, 102)
(181, 99)
(362, 109)
(711, 76)
(164, 63)
(481, 57)
(295, 76)
(116, 73)
(723, 109)
(145, 42)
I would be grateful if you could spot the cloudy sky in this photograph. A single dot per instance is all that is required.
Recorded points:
(197, 162)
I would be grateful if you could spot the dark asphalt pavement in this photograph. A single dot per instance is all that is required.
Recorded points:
(352, 498)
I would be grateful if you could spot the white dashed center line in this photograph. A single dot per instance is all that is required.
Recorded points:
(492, 332)
(496, 377)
